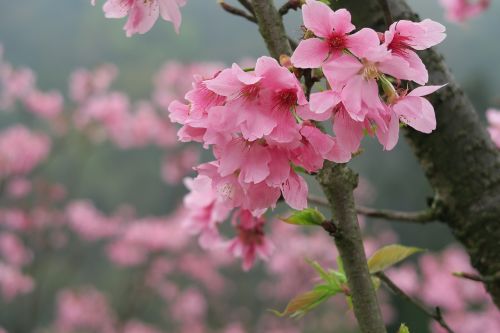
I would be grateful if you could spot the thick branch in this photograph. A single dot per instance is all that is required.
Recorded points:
(425, 216)
(338, 183)
(459, 159)
(437, 316)
(271, 28)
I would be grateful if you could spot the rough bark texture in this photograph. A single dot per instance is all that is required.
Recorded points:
(338, 183)
(459, 159)
(271, 28)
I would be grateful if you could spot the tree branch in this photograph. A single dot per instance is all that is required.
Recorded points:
(248, 6)
(436, 315)
(236, 11)
(289, 5)
(387, 12)
(338, 183)
(425, 216)
(271, 28)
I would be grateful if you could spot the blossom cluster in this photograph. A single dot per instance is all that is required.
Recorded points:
(359, 65)
(262, 128)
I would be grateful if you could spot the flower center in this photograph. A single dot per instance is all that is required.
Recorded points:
(370, 70)
(399, 44)
(336, 42)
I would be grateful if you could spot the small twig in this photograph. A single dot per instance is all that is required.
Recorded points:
(422, 217)
(436, 315)
(387, 12)
(248, 6)
(236, 11)
(477, 277)
(289, 5)
(250, 17)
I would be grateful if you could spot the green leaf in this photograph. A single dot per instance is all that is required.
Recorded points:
(308, 216)
(389, 256)
(340, 265)
(403, 329)
(305, 302)
(333, 279)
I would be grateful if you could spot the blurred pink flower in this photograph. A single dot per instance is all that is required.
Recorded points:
(176, 166)
(18, 187)
(13, 251)
(462, 10)
(88, 222)
(21, 150)
(45, 105)
(13, 282)
(84, 309)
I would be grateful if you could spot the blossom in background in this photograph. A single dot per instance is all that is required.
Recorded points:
(493, 117)
(142, 14)
(21, 150)
(465, 304)
(462, 10)
(84, 309)
(13, 282)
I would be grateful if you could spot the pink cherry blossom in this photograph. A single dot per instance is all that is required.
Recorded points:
(416, 111)
(462, 10)
(331, 29)
(403, 37)
(250, 241)
(142, 15)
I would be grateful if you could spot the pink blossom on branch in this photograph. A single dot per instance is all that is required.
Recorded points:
(142, 14)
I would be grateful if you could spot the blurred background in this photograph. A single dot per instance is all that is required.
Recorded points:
(123, 181)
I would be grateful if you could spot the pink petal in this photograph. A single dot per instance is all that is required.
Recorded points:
(341, 69)
(341, 21)
(362, 41)
(318, 18)
(295, 191)
(311, 53)
(256, 165)
(224, 84)
(425, 90)
(389, 138)
(323, 102)
(232, 157)
(348, 132)
(169, 10)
